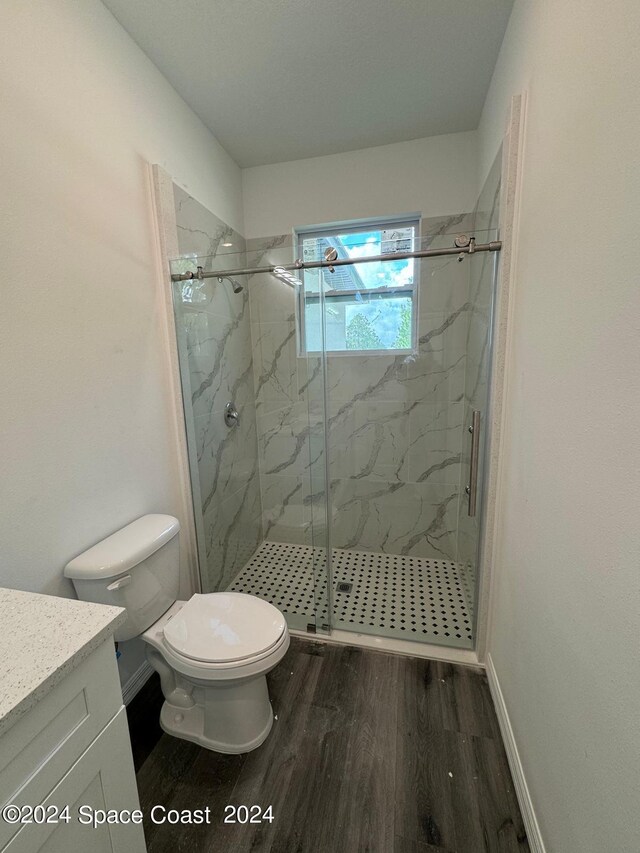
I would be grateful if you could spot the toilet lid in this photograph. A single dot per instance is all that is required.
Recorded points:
(222, 627)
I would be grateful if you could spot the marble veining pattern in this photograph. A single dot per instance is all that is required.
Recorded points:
(394, 422)
(214, 339)
(200, 233)
(289, 409)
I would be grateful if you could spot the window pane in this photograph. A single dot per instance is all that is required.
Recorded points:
(369, 306)
(313, 327)
(360, 323)
(358, 245)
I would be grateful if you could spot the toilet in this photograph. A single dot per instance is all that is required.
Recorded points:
(212, 652)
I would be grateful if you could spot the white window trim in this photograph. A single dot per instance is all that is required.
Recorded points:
(414, 290)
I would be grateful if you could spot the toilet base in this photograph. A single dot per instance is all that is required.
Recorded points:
(188, 724)
(225, 716)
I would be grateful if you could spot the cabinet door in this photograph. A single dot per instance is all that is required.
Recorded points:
(42, 746)
(103, 778)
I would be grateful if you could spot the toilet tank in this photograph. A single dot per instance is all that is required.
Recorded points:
(137, 567)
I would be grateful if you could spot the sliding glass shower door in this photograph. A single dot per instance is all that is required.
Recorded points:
(407, 366)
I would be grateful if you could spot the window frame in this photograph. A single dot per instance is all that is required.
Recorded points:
(355, 227)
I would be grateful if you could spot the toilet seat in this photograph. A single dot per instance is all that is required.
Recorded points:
(222, 672)
(205, 671)
(224, 628)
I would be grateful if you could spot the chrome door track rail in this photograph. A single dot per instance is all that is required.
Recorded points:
(471, 249)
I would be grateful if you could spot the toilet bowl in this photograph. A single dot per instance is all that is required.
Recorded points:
(212, 652)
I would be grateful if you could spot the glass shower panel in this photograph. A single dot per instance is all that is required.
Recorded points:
(482, 296)
(291, 437)
(476, 406)
(253, 448)
(216, 364)
(313, 367)
(396, 439)
(475, 400)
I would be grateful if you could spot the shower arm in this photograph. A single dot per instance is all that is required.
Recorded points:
(471, 249)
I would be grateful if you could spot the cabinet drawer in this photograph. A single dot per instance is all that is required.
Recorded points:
(39, 749)
(102, 778)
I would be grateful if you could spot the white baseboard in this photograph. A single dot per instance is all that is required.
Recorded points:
(520, 783)
(136, 681)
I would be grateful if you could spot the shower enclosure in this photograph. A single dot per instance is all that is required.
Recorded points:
(335, 416)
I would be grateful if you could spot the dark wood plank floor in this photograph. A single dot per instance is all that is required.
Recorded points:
(370, 753)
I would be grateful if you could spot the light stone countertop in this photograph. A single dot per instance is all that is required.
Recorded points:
(43, 638)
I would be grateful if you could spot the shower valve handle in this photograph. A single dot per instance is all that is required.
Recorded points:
(231, 415)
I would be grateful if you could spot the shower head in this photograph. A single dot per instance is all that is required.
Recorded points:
(237, 287)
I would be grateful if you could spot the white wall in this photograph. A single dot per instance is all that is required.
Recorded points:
(436, 176)
(565, 627)
(85, 423)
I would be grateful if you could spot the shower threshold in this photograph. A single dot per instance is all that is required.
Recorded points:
(395, 597)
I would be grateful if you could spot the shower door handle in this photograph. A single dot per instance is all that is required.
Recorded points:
(472, 488)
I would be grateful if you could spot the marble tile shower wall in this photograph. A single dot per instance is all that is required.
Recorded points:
(476, 390)
(395, 423)
(289, 405)
(214, 335)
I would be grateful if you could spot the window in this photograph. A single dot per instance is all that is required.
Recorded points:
(370, 307)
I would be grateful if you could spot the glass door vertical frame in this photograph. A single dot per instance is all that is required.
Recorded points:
(327, 473)
(484, 447)
(318, 469)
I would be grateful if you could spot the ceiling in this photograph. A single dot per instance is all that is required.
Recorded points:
(279, 80)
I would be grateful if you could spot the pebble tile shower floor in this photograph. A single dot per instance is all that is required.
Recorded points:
(407, 598)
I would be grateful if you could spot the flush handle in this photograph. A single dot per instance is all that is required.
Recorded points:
(123, 581)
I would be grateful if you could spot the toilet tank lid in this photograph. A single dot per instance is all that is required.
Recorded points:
(124, 549)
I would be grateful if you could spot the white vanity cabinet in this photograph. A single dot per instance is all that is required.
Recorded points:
(70, 747)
